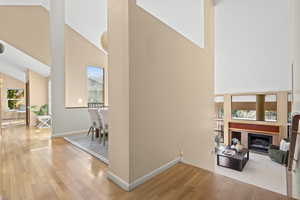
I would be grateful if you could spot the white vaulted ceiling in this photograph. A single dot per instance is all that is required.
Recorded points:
(21, 3)
(184, 16)
(87, 17)
(252, 46)
(18, 62)
(12, 70)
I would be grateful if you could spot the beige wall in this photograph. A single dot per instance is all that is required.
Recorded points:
(10, 83)
(28, 31)
(172, 90)
(118, 78)
(295, 59)
(296, 53)
(80, 53)
(38, 92)
(170, 85)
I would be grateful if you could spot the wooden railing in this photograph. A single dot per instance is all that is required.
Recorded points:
(95, 105)
(293, 138)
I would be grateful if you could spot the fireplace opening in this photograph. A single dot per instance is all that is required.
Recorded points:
(259, 142)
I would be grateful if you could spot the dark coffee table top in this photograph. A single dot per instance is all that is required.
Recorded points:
(238, 155)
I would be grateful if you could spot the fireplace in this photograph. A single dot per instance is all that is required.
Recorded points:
(258, 142)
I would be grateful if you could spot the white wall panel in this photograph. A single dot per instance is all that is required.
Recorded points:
(13, 71)
(89, 18)
(252, 46)
(64, 120)
(186, 17)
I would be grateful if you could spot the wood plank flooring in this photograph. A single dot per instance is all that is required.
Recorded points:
(32, 166)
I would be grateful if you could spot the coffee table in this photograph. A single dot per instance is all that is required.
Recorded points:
(236, 161)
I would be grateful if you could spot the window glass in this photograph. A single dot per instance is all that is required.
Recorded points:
(290, 102)
(15, 99)
(219, 118)
(95, 77)
(270, 108)
(219, 107)
(244, 107)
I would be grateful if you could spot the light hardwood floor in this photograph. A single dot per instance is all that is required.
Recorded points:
(35, 167)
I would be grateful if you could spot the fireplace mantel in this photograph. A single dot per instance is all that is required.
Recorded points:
(244, 129)
(257, 128)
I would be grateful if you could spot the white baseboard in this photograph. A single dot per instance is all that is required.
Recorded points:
(154, 173)
(200, 167)
(103, 159)
(188, 163)
(130, 186)
(117, 180)
(68, 133)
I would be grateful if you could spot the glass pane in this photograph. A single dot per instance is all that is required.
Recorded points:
(244, 107)
(290, 102)
(16, 105)
(95, 84)
(270, 108)
(219, 107)
(219, 119)
(15, 93)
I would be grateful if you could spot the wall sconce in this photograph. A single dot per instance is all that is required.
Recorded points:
(104, 41)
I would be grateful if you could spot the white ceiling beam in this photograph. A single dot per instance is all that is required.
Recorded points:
(20, 3)
(21, 60)
(12, 71)
(43, 3)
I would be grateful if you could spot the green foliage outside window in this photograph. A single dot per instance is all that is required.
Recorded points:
(95, 84)
(40, 111)
(15, 99)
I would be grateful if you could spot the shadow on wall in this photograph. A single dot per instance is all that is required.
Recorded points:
(216, 2)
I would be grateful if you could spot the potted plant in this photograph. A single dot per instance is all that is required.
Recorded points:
(42, 113)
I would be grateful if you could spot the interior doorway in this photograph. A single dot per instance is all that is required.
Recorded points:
(13, 102)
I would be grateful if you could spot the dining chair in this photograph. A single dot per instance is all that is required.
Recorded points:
(95, 122)
(103, 114)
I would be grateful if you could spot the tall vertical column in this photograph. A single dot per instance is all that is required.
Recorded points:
(119, 114)
(1, 85)
(65, 121)
(282, 110)
(295, 60)
(260, 107)
(227, 118)
(57, 21)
